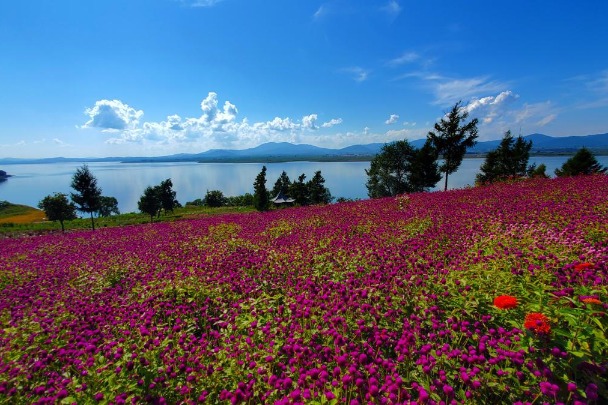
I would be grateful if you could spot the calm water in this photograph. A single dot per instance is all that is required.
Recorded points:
(127, 181)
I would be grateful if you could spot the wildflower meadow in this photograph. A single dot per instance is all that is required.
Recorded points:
(493, 294)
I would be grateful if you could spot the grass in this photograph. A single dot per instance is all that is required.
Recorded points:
(20, 219)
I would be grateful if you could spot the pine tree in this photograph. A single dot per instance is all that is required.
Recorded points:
(583, 162)
(452, 137)
(260, 196)
(87, 196)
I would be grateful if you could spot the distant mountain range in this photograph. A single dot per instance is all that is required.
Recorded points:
(284, 151)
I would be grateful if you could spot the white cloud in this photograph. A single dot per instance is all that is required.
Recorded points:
(332, 122)
(358, 73)
(451, 91)
(392, 119)
(308, 121)
(321, 12)
(392, 7)
(200, 3)
(112, 115)
(487, 109)
(405, 58)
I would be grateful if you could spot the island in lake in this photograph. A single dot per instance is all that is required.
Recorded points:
(4, 175)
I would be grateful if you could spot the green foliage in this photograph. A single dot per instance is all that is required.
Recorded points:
(167, 196)
(452, 137)
(281, 185)
(108, 206)
(88, 195)
(214, 198)
(583, 162)
(317, 192)
(509, 160)
(57, 207)
(400, 168)
(298, 190)
(261, 199)
(539, 171)
(245, 200)
(150, 202)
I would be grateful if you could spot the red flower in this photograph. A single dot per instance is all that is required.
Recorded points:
(537, 322)
(591, 300)
(583, 266)
(505, 302)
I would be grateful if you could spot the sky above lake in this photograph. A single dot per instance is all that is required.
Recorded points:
(158, 77)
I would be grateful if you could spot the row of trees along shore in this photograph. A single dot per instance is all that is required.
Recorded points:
(399, 168)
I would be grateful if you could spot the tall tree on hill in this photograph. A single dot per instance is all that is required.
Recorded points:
(452, 137)
(583, 162)
(150, 202)
(401, 168)
(298, 190)
(317, 192)
(57, 207)
(281, 185)
(167, 196)
(509, 159)
(88, 195)
(260, 195)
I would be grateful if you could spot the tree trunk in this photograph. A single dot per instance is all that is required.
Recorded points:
(446, 182)
(92, 221)
(62, 228)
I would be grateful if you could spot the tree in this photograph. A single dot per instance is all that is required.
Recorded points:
(150, 202)
(539, 171)
(57, 207)
(317, 192)
(424, 173)
(167, 196)
(260, 196)
(214, 198)
(509, 159)
(452, 137)
(400, 168)
(583, 162)
(108, 206)
(281, 185)
(298, 190)
(87, 196)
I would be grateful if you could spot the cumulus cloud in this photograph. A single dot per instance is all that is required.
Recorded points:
(392, 119)
(112, 115)
(332, 122)
(308, 121)
(217, 126)
(487, 109)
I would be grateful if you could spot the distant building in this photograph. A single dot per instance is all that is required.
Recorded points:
(282, 199)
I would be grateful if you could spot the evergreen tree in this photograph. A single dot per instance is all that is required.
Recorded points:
(452, 137)
(150, 202)
(87, 196)
(509, 159)
(56, 207)
(583, 162)
(261, 199)
(298, 190)
(281, 185)
(400, 168)
(539, 171)
(317, 192)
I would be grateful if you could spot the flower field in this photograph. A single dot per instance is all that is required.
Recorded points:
(493, 294)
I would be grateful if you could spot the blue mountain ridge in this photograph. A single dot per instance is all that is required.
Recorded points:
(284, 150)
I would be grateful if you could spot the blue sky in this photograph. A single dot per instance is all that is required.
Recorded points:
(157, 77)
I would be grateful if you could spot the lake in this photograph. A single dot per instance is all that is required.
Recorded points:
(126, 181)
